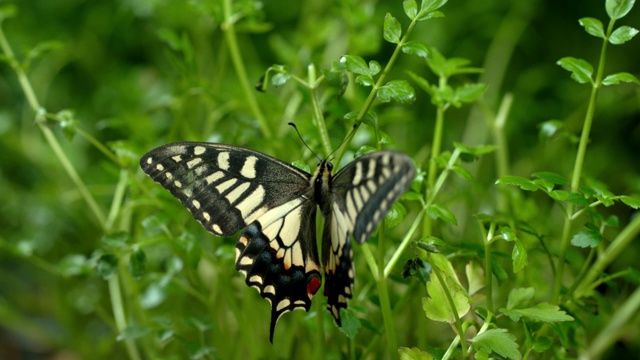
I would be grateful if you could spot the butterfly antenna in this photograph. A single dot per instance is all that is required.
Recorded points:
(304, 142)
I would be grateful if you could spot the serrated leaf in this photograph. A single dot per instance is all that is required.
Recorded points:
(622, 34)
(630, 201)
(586, 238)
(398, 90)
(617, 78)
(436, 306)
(405, 353)
(417, 48)
(410, 8)
(437, 211)
(551, 177)
(592, 26)
(392, 29)
(519, 296)
(519, 256)
(498, 341)
(617, 9)
(523, 183)
(581, 70)
(355, 64)
(545, 312)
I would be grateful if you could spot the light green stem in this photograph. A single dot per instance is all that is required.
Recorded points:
(577, 169)
(236, 58)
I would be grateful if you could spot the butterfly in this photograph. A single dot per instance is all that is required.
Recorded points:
(230, 188)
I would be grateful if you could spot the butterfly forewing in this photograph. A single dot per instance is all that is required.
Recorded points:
(362, 193)
(229, 188)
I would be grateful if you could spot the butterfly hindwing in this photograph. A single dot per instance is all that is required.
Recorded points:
(228, 188)
(361, 194)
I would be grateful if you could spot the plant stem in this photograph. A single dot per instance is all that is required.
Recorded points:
(433, 165)
(374, 90)
(318, 118)
(577, 169)
(452, 305)
(228, 27)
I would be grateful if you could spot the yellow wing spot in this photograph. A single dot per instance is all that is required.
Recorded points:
(256, 279)
(243, 240)
(177, 158)
(199, 150)
(214, 177)
(159, 167)
(216, 228)
(249, 167)
(269, 289)
(246, 261)
(177, 183)
(196, 204)
(193, 162)
(207, 217)
(149, 160)
(283, 304)
(357, 177)
(168, 175)
(223, 160)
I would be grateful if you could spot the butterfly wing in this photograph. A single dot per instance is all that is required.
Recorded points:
(228, 188)
(362, 193)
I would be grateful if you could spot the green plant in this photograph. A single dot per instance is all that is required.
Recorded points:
(99, 262)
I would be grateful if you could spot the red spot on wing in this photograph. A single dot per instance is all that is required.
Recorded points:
(313, 284)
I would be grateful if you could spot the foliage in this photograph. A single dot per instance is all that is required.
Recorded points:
(516, 235)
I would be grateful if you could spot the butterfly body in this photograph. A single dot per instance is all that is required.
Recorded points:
(230, 188)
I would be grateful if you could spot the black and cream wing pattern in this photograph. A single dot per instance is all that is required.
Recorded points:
(229, 188)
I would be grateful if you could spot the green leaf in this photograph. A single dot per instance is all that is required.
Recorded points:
(544, 184)
(73, 265)
(392, 29)
(410, 8)
(622, 34)
(542, 344)
(519, 256)
(405, 353)
(498, 341)
(422, 83)
(436, 306)
(617, 78)
(398, 90)
(355, 64)
(417, 48)
(428, 6)
(559, 195)
(364, 149)
(523, 183)
(137, 263)
(436, 211)
(630, 201)
(545, 312)
(593, 26)
(551, 177)
(153, 295)
(519, 296)
(507, 234)
(107, 266)
(133, 332)
(586, 238)
(395, 215)
(350, 323)
(462, 172)
(116, 240)
(365, 80)
(469, 93)
(581, 70)
(475, 277)
(617, 9)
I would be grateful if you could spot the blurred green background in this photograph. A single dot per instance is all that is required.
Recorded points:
(138, 74)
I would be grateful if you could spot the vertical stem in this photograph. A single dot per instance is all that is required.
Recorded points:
(228, 27)
(318, 118)
(436, 145)
(577, 169)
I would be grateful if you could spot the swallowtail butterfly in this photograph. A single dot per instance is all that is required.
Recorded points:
(229, 188)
